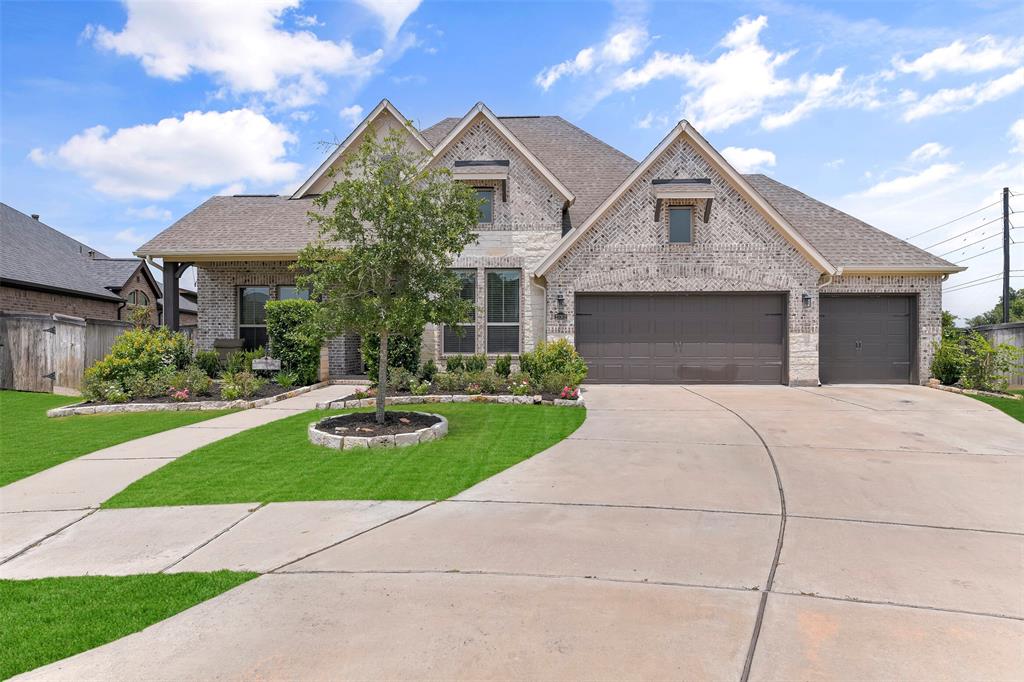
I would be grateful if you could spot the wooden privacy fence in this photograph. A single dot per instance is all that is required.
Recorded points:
(49, 353)
(1011, 333)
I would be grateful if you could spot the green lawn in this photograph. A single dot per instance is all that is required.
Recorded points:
(30, 441)
(276, 463)
(49, 619)
(1014, 408)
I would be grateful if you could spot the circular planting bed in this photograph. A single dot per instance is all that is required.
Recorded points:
(361, 430)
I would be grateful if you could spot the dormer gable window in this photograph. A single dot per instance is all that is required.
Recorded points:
(486, 197)
(680, 224)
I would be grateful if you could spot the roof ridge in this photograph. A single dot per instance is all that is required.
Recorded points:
(597, 139)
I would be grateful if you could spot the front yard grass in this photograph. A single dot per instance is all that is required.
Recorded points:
(276, 462)
(49, 619)
(1014, 408)
(30, 441)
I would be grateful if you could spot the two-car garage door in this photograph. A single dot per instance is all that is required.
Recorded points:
(682, 338)
(739, 338)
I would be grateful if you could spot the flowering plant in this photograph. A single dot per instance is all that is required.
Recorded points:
(473, 389)
(570, 393)
(179, 395)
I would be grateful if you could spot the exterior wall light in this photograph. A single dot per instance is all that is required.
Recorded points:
(560, 312)
(806, 298)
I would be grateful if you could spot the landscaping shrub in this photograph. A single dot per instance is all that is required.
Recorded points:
(554, 357)
(419, 387)
(293, 339)
(520, 384)
(137, 355)
(948, 362)
(241, 360)
(455, 363)
(399, 379)
(240, 385)
(193, 379)
(552, 383)
(988, 367)
(503, 365)
(487, 380)
(285, 379)
(403, 351)
(138, 385)
(209, 362)
(428, 371)
(476, 363)
(448, 382)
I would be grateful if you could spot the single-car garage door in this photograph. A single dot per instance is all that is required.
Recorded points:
(866, 339)
(682, 338)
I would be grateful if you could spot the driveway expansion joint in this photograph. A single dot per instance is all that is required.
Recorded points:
(46, 537)
(900, 605)
(617, 506)
(905, 525)
(215, 536)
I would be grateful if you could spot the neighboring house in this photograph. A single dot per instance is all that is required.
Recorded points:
(673, 269)
(43, 270)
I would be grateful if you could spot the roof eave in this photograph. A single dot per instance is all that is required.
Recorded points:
(35, 286)
(206, 256)
(901, 270)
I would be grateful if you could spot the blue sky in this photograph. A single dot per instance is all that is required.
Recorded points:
(118, 118)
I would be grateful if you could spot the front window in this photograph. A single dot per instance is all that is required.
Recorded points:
(680, 224)
(486, 197)
(138, 298)
(285, 293)
(461, 338)
(503, 311)
(252, 319)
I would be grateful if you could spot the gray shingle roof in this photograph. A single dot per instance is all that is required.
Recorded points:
(237, 225)
(114, 272)
(590, 168)
(33, 253)
(843, 240)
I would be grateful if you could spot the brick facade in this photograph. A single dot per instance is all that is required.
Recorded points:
(218, 283)
(626, 250)
(18, 300)
(138, 282)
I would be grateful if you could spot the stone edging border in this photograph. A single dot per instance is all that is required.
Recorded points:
(401, 440)
(971, 391)
(83, 408)
(450, 398)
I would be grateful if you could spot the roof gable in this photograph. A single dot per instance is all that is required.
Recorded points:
(383, 112)
(480, 111)
(684, 130)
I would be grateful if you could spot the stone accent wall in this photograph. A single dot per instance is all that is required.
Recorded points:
(343, 356)
(927, 289)
(17, 300)
(627, 250)
(525, 229)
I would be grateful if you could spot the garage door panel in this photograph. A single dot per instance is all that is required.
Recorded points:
(682, 338)
(866, 339)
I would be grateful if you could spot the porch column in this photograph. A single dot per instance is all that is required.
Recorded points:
(172, 318)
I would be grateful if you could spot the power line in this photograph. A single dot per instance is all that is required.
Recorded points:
(971, 286)
(993, 274)
(983, 253)
(994, 220)
(966, 215)
(967, 246)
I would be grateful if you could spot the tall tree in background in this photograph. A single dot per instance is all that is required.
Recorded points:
(995, 316)
(390, 227)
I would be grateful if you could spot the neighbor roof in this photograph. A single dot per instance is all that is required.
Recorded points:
(35, 255)
(844, 240)
(112, 273)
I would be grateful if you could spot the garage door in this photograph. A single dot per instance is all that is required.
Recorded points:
(682, 338)
(866, 339)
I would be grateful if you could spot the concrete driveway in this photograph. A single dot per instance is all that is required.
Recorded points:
(681, 533)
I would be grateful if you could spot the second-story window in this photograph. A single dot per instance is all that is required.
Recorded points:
(486, 197)
(138, 298)
(680, 224)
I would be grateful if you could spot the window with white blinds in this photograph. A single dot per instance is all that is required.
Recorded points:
(503, 288)
(461, 338)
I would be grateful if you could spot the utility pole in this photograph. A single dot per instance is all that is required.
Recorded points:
(1006, 255)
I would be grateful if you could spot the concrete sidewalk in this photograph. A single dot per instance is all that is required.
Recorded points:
(652, 543)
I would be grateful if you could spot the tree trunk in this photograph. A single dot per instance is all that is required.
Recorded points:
(382, 376)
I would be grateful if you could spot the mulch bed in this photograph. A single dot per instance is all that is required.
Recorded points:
(547, 397)
(364, 424)
(265, 392)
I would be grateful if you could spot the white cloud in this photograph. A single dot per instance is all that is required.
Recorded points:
(835, 163)
(241, 44)
(130, 236)
(149, 213)
(986, 54)
(749, 159)
(929, 151)
(1017, 135)
(911, 183)
(819, 90)
(620, 47)
(199, 150)
(301, 116)
(352, 115)
(968, 97)
(307, 20)
(652, 120)
(391, 13)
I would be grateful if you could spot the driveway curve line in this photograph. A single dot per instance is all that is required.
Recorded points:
(745, 676)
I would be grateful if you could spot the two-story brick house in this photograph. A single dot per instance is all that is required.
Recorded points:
(673, 269)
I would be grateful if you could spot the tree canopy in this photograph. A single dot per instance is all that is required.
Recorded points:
(995, 315)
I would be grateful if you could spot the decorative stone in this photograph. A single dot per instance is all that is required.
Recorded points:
(382, 442)
(425, 435)
(506, 399)
(353, 442)
(403, 439)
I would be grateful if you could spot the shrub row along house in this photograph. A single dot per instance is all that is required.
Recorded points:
(674, 269)
(45, 271)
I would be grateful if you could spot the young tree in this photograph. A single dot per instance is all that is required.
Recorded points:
(389, 227)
